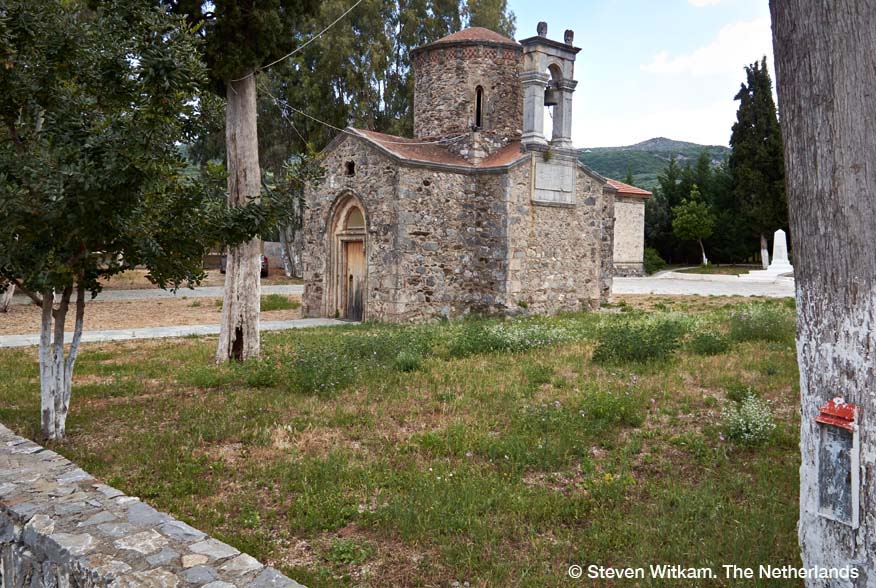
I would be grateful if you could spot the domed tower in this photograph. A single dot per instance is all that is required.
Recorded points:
(467, 85)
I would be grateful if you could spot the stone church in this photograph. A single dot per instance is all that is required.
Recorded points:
(479, 211)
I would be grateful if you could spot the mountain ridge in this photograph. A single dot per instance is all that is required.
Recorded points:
(647, 158)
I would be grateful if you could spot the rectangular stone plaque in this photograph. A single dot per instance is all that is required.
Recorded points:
(554, 182)
(837, 474)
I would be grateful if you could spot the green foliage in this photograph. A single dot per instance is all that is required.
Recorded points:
(757, 160)
(708, 343)
(692, 220)
(92, 182)
(639, 339)
(653, 263)
(278, 302)
(349, 551)
(408, 361)
(485, 337)
(750, 422)
(762, 321)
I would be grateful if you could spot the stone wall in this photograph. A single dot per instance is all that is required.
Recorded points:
(62, 528)
(451, 244)
(374, 184)
(629, 245)
(446, 76)
(558, 251)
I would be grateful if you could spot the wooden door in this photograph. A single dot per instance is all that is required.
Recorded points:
(355, 279)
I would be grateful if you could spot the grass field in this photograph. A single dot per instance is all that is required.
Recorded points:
(493, 453)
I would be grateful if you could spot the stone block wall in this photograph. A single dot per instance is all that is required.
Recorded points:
(557, 251)
(374, 184)
(451, 253)
(62, 528)
(629, 245)
(446, 76)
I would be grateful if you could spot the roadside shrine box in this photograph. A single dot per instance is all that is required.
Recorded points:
(838, 462)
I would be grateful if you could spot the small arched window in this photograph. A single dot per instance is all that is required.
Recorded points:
(351, 168)
(479, 107)
(355, 219)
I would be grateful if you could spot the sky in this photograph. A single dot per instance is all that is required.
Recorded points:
(655, 68)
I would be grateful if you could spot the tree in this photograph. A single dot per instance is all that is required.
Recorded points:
(6, 296)
(96, 98)
(490, 14)
(756, 162)
(692, 220)
(825, 59)
(241, 36)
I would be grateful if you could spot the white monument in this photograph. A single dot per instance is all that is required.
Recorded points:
(779, 265)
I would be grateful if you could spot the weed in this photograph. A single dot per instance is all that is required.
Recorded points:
(761, 321)
(708, 343)
(639, 339)
(750, 422)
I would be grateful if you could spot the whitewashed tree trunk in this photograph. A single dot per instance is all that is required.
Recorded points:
(6, 298)
(56, 370)
(764, 252)
(703, 250)
(239, 327)
(826, 81)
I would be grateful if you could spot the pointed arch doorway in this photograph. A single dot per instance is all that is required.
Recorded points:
(349, 265)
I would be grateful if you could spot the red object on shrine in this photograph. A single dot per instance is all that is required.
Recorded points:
(838, 413)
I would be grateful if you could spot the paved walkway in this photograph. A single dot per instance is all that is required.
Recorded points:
(152, 293)
(164, 332)
(674, 283)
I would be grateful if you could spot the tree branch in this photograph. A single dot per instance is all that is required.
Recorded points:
(36, 299)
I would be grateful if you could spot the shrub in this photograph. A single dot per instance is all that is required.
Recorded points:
(408, 361)
(652, 261)
(750, 422)
(639, 339)
(761, 322)
(485, 337)
(709, 343)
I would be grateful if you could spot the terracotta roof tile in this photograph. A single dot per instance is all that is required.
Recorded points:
(477, 34)
(416, 150)
(627, 190)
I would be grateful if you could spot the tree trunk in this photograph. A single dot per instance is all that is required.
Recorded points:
(239, 327)
(825, 60)
(703, 250)
(56, 370)
(764, 252)
(286, 247)
(6, 298)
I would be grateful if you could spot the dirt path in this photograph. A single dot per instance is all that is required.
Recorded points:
(131, 314)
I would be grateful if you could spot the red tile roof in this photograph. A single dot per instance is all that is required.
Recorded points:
(627, 190)
(421, 150)
(477, 34)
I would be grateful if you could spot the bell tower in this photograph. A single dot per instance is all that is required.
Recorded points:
(548, 80)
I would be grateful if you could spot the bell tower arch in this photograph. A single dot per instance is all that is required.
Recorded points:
(548, 79)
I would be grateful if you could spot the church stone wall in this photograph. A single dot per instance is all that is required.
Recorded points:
(446, 77)
(629, 236)
(374, 183)
(451, 255)
(559, 254)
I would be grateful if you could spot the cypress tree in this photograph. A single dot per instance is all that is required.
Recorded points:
(756, 162)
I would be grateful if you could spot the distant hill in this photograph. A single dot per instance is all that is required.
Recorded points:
(646, 159)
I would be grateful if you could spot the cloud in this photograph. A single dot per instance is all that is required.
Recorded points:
(736, 45)
(701, 3)
(708, 124)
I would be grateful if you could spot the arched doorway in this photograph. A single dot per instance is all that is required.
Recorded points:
(349, 266)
